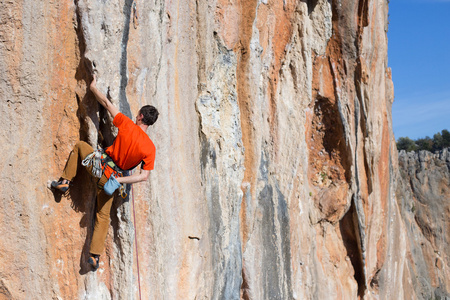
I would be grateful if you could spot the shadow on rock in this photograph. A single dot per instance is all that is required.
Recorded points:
(82, 197)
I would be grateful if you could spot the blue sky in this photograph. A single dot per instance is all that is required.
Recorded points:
(419, 55)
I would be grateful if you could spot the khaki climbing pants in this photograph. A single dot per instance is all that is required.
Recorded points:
(104, 202)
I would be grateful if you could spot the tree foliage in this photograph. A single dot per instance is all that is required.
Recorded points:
(446, 138)
(425, 143)
(407, 144)
(439, 141)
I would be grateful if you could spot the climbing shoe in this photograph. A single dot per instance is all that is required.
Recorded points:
(94, 261)
(60, 186)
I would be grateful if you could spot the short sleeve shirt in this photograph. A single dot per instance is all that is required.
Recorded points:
(131, 146)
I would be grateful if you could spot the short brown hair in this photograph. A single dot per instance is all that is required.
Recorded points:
(149, 113)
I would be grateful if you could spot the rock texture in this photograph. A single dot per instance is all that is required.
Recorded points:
(276, 171)
(424, 195)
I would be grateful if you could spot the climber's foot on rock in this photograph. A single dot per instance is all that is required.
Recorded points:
(94, 261)
(62, 185)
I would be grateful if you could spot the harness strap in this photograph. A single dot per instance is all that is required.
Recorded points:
(107, 160)
(103, 164)
(110, 168)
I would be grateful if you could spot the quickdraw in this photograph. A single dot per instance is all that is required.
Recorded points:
(94, 159)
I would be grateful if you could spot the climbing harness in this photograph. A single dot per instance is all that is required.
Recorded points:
(102, 163)
(136, 243)
(111, 169)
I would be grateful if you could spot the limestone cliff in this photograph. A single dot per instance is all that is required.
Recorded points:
(276, 164)
(424, 195)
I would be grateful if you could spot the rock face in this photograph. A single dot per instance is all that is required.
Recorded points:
(276, 169)
(424, 194)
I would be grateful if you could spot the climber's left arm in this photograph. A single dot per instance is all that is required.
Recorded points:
(136, 177)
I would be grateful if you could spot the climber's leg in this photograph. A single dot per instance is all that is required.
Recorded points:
(102, 220)
(80, 150)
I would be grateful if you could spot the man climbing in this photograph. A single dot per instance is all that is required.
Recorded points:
(131, 147)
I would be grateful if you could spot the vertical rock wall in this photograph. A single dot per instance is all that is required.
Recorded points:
(423, 192)
(276, 163)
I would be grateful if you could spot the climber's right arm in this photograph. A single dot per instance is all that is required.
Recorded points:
(102, 98)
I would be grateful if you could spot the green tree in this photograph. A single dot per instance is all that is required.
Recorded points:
(407, 144)
(438, 141)
(425, 144)
(445, 138)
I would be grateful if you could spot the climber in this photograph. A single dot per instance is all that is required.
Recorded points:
(131, 147)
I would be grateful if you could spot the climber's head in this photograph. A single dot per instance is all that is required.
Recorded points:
(148, 115)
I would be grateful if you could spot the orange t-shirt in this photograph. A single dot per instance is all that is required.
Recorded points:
(131, 146)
